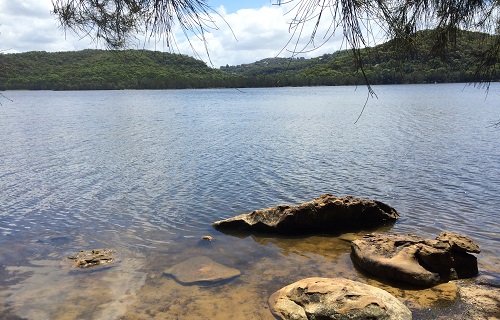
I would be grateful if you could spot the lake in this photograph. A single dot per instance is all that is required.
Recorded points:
(147, 172)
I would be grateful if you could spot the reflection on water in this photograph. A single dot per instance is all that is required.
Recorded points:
(47, 290)
(146, 172)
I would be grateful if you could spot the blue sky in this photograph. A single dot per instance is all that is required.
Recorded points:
(234, 5)
(260, 31)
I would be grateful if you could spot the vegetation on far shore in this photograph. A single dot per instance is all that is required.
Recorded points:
(141, 69)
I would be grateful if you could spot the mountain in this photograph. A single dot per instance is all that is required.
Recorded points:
(388, 63)
(420, 61)
(101, 69)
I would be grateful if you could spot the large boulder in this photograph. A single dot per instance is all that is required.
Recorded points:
(415, 260)
(336, 298)
(327, 213)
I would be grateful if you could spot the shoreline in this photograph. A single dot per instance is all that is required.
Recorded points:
(137, 288)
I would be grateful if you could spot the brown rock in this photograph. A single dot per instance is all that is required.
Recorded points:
(201, 270)
(458, 242)
(415, 260)
(326, 213)
(335, 298)
(92, 258)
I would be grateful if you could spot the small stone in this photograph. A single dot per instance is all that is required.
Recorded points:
(92, 258)
(207, 238)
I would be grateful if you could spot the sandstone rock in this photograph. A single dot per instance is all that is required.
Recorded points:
(92, 258)
(326, 213)
(458, 242)
(201, 270)
(415, 260)
(335, 298)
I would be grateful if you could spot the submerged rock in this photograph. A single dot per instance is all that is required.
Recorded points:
(415, 260)
(201, 270)
(336, 298)
(92, 258)
(325, 213)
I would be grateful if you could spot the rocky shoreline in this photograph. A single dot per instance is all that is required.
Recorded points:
(407, 259)
(400, 269)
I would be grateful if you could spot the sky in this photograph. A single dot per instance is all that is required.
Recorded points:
(255, 30)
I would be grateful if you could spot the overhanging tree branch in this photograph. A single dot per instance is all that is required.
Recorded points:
(118, 22)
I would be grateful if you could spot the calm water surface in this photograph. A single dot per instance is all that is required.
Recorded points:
(146, 172)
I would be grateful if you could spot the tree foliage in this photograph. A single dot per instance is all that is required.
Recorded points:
(383, 64)
(139, 69)
(101, 69)
(117, 21)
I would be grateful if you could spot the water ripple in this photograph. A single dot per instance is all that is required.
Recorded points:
(140, 168)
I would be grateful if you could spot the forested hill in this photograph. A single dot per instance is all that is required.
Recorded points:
(388, 63)
(100, 69)
(141, 69)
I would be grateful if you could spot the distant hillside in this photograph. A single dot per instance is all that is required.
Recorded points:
(388, 63)
(279, 66)
(140, 69)
(99, 69)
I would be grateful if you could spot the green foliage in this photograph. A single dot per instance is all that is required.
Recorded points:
(137, 69)
(107, 70)
(388, 63)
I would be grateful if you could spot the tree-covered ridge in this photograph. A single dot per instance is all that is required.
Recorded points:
(100, 69)
(422, 62)
(389, 63)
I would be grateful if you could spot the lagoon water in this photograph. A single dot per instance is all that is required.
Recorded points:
(146, 172)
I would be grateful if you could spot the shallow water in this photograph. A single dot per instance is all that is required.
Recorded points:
(146, 172)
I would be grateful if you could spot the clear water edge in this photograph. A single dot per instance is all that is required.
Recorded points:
(146, 172)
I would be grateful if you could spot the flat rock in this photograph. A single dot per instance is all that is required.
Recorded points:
(326, 213)
(336, 298)
(415, 260)
(92, 258)
(201, 270)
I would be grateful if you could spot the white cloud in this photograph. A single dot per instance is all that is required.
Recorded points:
(255, 34)
(28, 25)
(248, 36)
